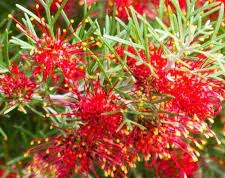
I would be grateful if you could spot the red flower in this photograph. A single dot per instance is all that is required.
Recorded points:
(89, 2)
(191, 94)
(70, 7)
(54, 55)
(187, 167)
(167, 143)
(140, 68)
(122, 6)
(16, 85)
(96, 142)
(9, 175)
(191, 100)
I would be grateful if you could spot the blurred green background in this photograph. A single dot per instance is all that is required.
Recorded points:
(6, 6)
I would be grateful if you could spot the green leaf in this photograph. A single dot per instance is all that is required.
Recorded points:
(3, 134)
(10, 109)
(219, 20)
(29, 12)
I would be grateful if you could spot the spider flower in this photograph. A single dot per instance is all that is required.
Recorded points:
(7, 174)
(55, 54)
(171, 135)
(71, 7)
(188, 167)
(191, 93)
(95, 143)
(192, 100)
(122, 7)
(16, 85)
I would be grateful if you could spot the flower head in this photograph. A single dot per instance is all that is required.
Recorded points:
(70, 7)
(187, 167)
(183, 99)
(16, 85)
(56, 54)
(96, 142)
(6, 174)
(122, 7)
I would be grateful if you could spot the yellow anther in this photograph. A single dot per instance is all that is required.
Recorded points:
(10, 16)
(156, 131)
(201, 39)
(147, 158)
(84, 44)
(211, 45)
(204, 142)
(178, 133)
(91, 77)
(99, 44)
(25, 154)
(103, 166)
(160, 156)
(198, 145)
(194, 158)
(120, 78)
(37, 6)
(70, 89)
(168, 145)
(211, 120)
(195, 117)
(106, 173)
(18, 26)
(197, 153)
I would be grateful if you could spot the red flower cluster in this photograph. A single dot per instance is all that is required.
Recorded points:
(122, 7)
(185, 162)
(56, 55)
(191, 93)
(68, 7)
(182, 3)
(192, 99)
(9, 175)
(16, 85)
(95, 142)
